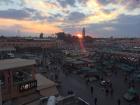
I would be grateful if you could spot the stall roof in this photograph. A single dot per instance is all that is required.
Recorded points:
(15, 63)
(87, 60)
(68, 59)
(88, 69)
(132, 91)
(108, 62)
(138, 76)
(78, 62)
(126, 67)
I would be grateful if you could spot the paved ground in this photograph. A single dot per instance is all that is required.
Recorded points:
(81, 89)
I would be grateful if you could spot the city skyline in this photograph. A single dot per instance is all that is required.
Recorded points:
(101, 18)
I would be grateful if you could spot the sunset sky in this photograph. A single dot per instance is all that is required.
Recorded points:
(101, 18)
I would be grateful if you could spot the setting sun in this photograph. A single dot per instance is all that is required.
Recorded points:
(80, 36)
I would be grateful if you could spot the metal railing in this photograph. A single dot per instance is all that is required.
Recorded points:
(25, 86)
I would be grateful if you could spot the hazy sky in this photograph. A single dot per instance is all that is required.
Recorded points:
(101, 18)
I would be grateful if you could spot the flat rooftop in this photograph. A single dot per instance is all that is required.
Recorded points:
(15, 63)
(7, 49)
(43, 82)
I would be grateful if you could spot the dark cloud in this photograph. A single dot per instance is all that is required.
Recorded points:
(72, 3)
(124, 26)
(128, 19)
(14, 14)
(12, 2)
(14, 30)
(128, 25)
(133, 4)
(82, 1)
(24, 14)
(104, 2)
(76, 16)
(38, 16)
(53, 18)
(6, 2)
(64, 3)
(35, 14)
(108, 11)
(30, 10)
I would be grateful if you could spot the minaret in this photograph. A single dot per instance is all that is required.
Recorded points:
(83, 32)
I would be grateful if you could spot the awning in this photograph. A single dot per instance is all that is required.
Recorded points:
(87, 69)
(132, 91)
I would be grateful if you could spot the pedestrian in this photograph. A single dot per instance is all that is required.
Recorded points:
(71, 92)
(101, 78)
(133, 84)
(115, 72)
(125, 78)
(107, 91)
(129, 84)
(119, 102)
(91, 89)
(95, 100)
(56, 77)
(110, 84)
(111, 91)
(87, 81)
(68, 92)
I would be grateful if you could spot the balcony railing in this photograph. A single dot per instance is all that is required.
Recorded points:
(25, 86)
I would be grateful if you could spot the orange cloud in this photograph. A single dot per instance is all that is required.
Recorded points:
(30, 26)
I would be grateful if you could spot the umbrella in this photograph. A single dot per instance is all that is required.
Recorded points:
(132, 91)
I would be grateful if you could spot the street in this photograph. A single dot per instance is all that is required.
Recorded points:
(81, 89)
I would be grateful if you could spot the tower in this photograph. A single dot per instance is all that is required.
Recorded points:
(41, 35)
(83, 32)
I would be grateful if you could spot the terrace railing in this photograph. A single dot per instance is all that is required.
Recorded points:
(25, 86)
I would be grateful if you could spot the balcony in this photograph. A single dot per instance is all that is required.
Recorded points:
(19, 89)
(25, 86)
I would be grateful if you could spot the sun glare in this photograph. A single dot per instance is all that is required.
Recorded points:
(80, 36)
